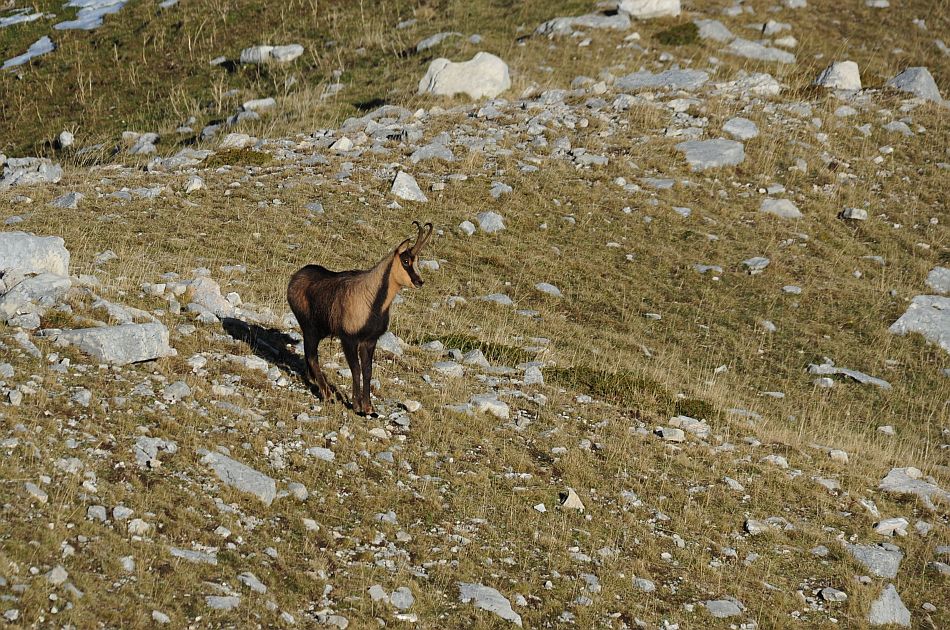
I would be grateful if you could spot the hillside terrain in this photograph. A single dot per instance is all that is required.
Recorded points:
(681, 359)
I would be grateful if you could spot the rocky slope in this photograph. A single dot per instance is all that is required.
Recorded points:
(680, 360)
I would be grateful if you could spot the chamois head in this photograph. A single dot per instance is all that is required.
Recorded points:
(405, 273)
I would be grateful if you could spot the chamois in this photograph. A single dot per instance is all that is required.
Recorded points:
(353, 306)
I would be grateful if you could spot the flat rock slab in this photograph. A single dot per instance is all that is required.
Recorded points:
(121, 345)
(487, 598)
(754, 50)
(33, 254)
(911, 481)
(483, 76)
(723, 608)
(705, 154)
(566, 25)
(714, 30)
(888, 609)
(781, 208)
(928, 315)
(827, 369)
(741, 128)
(668, 79)
(241, 477)
(881, 560)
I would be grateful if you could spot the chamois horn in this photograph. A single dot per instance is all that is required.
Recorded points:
(421, 239)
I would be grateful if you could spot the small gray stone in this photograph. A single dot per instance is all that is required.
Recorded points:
(69, 201)
(714, 30)
(222, 602)
(249, 580)
(723, 608)
(550, 289)
(402, 598)
(781, 208)
(840, 75)
(706, 154)
(754, 50)
(199, 557)
(405, 187)
(855, 214)
(833, 595)
(487, 598)
(741, 128)
(669, 79)
(241, 477)
(490, 222)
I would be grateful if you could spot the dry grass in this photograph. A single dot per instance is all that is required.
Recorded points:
(450, 469)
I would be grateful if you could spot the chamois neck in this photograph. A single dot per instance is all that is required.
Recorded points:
(383, 273)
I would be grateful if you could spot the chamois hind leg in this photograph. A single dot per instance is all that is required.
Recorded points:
(367, 350)
(313, 374)
(353, 360)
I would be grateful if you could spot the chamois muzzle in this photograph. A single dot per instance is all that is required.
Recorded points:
(425, 232)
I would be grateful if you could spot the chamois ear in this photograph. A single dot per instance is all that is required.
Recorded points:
(403, 246)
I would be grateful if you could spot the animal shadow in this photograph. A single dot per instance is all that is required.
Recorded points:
(271, 345)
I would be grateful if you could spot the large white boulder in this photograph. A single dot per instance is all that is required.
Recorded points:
(646, 9)
(485, 75)
(841, 75)
(917, 81)
(29, 253)
(121, 345)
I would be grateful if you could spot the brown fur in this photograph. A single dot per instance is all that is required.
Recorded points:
(354, 306)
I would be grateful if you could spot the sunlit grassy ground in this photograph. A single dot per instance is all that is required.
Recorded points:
(449, 470)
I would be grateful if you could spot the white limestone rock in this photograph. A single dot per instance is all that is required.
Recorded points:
(755, 50)
(121, 345)
(911, 481)
(483, 76)
(648, 9)
(928, 315)
(781, 208)
(939, 280)
(714, 30)
(673, 79)
(487, 598)
(706, 154)
(840, 75)
(29, 253)
(888, 609)
(917, 81)
(405, 187)
(619, 21)
(490, 222)
(29, 171)
(266, 54)
(741, 128)
(241, 477)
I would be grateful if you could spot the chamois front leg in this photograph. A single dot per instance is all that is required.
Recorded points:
(367, 350)
(353, 360)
